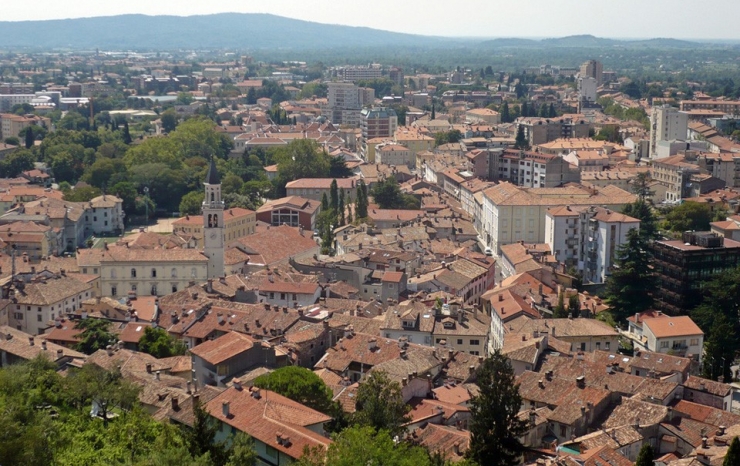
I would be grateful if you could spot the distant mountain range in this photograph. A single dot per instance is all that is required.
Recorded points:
(254, 31)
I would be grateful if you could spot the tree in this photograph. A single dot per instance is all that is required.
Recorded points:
(628, 287)
(333, 196)
(105, 389)
(126, 134)
(361, 201)
(505, 115)
(642, 211)
(641, 186)
(645, 457)
(95, 335)
(689, 216)
(29, 137)
(732, 457)
(521, 140)
(387, 194)
(242, 452)
(301, 385)
(365, 446)
(191, 203)
(560, 312)
(160, 344)
(324, 202)
(495, 426)
(340, 210)
(574, 305)
(201, 437)
(169, 120)
(719, 349)
(379, 404)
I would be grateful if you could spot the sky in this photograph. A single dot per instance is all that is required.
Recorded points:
(682, 19)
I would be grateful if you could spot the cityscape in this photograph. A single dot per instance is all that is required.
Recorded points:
(447, 251)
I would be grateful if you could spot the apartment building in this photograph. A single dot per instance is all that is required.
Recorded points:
(682, 265)
(532, 169)
(315, 188)
(378, 122)
(486, 115)
(667, 124)
(345, 101)
(11, 125)
(542, 130)
(724, 166)
(512, 214)
(729, 107)
(394, 155)
(674, 173)
(677, 335)
(587, 238)
(292, 210)
(592, 69)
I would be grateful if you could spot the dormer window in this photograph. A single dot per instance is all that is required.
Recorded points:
(407, 323)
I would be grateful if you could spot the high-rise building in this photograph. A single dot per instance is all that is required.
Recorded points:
(667, 124)
(213, 223)
(378, 122)
(586, 93)
(592, 69)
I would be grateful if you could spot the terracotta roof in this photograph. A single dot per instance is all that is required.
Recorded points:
(224, 348)
(449, 442)
(270, 418)
(672, 326)
(17, 343)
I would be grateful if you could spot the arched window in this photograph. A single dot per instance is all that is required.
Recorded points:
(133, 273)
(215, 220)
(174, 273)
(213, 197)
(154, 273)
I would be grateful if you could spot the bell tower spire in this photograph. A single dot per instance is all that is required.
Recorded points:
(213, 222)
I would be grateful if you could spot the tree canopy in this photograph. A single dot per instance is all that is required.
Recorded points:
(380, 404)
(628, 288)
(160, 344)
(495, 427)
(301, 385)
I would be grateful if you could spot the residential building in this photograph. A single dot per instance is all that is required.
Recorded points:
(11, 124)
(32, 239)
(667, 124)
(542, 130)
(378, 122)
(45, 298)
(315, 188)
(17, 346)
(729, 107)
(708, 393)
(486, 115)
(582, 334)
(677, 335)
(217, 361)
(587, 91)
(282, 429)
(681, 266)
(293, 211)
(674, 173)
(587, 238)
(359, 73)
(511, 214)
(592, 69)
(155, 272)
(289, 294)
(238, 222)
(394, 154)
(533, 169)
(345, 101)
(104, 214)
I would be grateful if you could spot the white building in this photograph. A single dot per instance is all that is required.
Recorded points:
(667, 124)
(511, 214)
(677, 335)
(44, 299)
(104, 214)
(587, 238)
(587, 89)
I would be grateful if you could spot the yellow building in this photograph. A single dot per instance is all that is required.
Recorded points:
(238, 222)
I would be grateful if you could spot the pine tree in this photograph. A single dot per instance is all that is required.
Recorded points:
(324, 203)
(642, 211)
(645, 457)
(521, 139)
(126, 133)
(574, 306)
(732, 458)
(559, 312)
(551, 112)
(29, 137)
(628, 287)
(340, 213)
(505, 115)
(334, 196)
(361, 207)
(495, 426)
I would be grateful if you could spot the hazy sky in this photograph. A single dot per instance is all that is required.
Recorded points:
(711, 19)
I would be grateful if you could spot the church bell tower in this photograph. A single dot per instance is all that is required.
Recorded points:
(213, 223)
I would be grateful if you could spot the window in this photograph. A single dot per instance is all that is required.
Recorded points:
(95, 219)
(18, 315)
(459, 341)
(664, 344)
(133, 273)
(475, 342)
(113, 290)
(607, 345)
(133, 287)
(173, 273)
(95, 270)
(106, 223)
(174, 288)
(113, 273)
(154, 290)
(694, 342)
(193, 272)
(282, 295)
(154, 273)
(38, 317)
(583, 346)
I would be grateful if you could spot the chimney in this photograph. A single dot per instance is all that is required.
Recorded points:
(500, 297)
(225, 408)
(548, 375)
(704, 442)
(220, 317)
(30, 341)
(189, 389)
(156, 375)
(60, 354)
(532, 417)
(109, 350)
(702, 387)
(175, 403)
(238, 384)
(553, 331)
(372, 344)
(149, 368)
(43, 345)
(722, 430)
(541, 383)
(581, 381)
(256, 393)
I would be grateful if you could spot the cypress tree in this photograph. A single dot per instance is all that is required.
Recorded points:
(334, 196)
(340, 213)
(505, 114)
(29, 137)
(552, 113)
(126, 134)
(732, 458)
(645, 457)
(324, 203)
